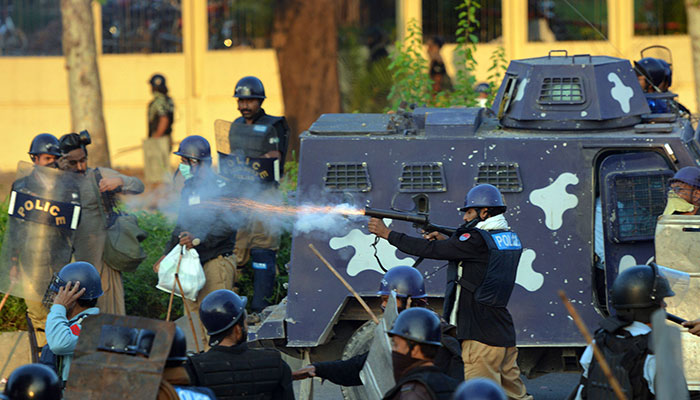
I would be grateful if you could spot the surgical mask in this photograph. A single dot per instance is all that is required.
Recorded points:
(402, 363)
(185, 171)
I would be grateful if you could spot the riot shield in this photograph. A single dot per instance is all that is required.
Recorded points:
(241, 147)
(127, 366)
(44, 210)
(670, 381)
(377, 374)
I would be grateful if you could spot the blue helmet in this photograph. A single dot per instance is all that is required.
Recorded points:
(178, 350)
(652, 68)
(195, 147)
(405, 281)
(83, 272)
(485, 196)
(249, 87)
(689, 175)
(33, 381)
(220, 310)
(668, 71)
(418, 325)
(45, 143)
(479, 389)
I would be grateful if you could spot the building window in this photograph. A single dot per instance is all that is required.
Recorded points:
(240, 23)
(440, 18)
(659, 17)
(30, 28)
(141, 26)
(556, 21)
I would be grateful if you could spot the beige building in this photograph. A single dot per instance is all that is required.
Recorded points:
(201, 48)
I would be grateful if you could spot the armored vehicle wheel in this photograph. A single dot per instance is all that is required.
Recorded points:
(358, 343)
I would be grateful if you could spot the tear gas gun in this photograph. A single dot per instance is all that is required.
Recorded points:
(419, 220)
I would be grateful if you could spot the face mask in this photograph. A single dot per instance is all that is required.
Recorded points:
(185, 171)
(401, 363)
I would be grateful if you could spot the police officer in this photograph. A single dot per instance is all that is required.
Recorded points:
(483, 257)
(255, 242)
(204, 221)
(409, 286)
(415, 340)
(624, 337)
(479, 389)
(176, 381)
(44, 150)
(156, 150)
(97, 186)
(33, 382)
(77, 288)
(230, 368)
(684, 193)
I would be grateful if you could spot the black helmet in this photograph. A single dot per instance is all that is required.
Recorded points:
(33, 381)
(158, 82)
(418, 325)
(45, 143)
(83, 272)
(195, 147)
(249, 87)
(178, 350)
(125, 340)
(668, 71)
(220, 310)
(689, 175)
(479, 389)
(484, 196)
(653, 69)
(405, 281)
(638, 291)
(72, 141)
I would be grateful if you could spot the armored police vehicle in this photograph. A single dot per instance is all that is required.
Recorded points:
(571, 143)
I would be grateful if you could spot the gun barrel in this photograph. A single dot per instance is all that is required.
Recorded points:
(414, 218)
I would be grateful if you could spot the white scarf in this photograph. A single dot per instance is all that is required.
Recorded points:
(494, 223)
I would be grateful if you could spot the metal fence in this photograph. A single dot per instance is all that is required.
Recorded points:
(659, 17)
(141, 26)
(240, 23)
(556, 21)
(440, 18)
(30, 28)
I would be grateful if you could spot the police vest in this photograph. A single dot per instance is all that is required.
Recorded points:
(626, 355)
(497, 285)
(440, 386)
(251, 374)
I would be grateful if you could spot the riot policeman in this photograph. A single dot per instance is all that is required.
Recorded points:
(479, 389)
(204, 222)
(483, 257)
(76, 288)
(230, 368)
(684, 193)
(98, 188)
(624, 337)
(156, 149)
(416, 338)
(176, 381)
(33, 381)
(409, 286)
(257, 242)
(44, 150)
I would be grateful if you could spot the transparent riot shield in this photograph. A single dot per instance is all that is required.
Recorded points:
(43, 213)
(377, 374)
(119, 357)
(669, 382)
(677, 245)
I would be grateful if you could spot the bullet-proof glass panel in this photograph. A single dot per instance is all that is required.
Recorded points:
(440, 18)
(639, 199)
(660, 17)
(30, 28)
(557, 21)
(141, 26)
(240, 23)
(561, 91)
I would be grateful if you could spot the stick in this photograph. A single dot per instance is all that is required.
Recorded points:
(347, 285)
(172, 292)
(187, 311)
(596, 351)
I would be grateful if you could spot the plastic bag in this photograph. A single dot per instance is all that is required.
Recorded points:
(191, 273)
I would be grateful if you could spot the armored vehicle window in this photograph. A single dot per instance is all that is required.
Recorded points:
(561, 91)
(422, 177)
(638, 201)
(504, 176)
(353, 177)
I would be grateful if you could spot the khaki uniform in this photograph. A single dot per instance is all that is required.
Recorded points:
(220, 273)
(156, 151)
(496, 363)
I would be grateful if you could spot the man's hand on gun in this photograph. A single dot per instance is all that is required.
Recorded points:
(693, 326)
(377, 227)
(307, 372)
(433, 235)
